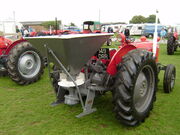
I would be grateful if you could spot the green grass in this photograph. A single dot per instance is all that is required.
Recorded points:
(26, 110)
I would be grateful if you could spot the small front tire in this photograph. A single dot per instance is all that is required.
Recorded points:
(169, 78)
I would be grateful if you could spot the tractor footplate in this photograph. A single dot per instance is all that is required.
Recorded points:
(88, 104)
(86, 112)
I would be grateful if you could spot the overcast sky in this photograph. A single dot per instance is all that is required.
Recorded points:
(77, 11)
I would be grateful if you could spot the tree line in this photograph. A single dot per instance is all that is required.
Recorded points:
(53, 24)
(141, 19)
(135, 20)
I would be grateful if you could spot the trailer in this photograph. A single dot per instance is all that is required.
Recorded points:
(135, 29)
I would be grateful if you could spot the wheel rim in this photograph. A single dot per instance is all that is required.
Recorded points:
(172, 80)
(144, 89)
(29, 64)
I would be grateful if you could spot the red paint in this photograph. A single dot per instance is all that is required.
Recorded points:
(12, 45)
(143, 39)
(123, 38)
(87, 31)
(125, 48)
(32, 34)
(117, 58)
(4, 43)
(176, 35)
(147, 46)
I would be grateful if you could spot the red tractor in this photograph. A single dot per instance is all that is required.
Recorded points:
(83, 70)
(173, 39)
(20, 60)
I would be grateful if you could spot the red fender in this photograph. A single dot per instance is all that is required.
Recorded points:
(12, 45)
(147, 46)
(117, 58)
(4, 42)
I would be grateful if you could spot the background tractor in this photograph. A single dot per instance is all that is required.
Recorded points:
(91, 27)
(20, 61)
(82, 70)
(95, 27)
(173, 39)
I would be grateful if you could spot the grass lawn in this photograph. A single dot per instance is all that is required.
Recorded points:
(26, 110)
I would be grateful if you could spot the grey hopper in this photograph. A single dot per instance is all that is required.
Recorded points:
(72, 50)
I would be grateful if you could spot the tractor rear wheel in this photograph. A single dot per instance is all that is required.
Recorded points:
(170, 45)
(169, 78)
(24, 64)
(135, 87)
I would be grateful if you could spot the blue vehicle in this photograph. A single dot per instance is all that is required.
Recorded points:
(149, 29)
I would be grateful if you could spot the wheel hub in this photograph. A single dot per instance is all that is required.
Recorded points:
(29, 64)
(26, 64)
(144, 89)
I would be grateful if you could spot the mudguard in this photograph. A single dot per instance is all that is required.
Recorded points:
(12, 45)
(117, 58)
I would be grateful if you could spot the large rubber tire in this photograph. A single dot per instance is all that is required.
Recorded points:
(169, 78)
(170, 45)
(24, 64)
(135, 87)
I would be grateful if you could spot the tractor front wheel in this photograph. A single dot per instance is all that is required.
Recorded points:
(135, 87)
(169, 78)
(25, 64)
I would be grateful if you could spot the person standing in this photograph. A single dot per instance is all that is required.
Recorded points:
(26, 33)
(127, 33)
(163, 34)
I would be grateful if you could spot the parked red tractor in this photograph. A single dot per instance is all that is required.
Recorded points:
(83, 70)
(173, 39)
(20, 60)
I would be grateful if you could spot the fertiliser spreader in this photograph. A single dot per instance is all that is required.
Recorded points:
(82, 70)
